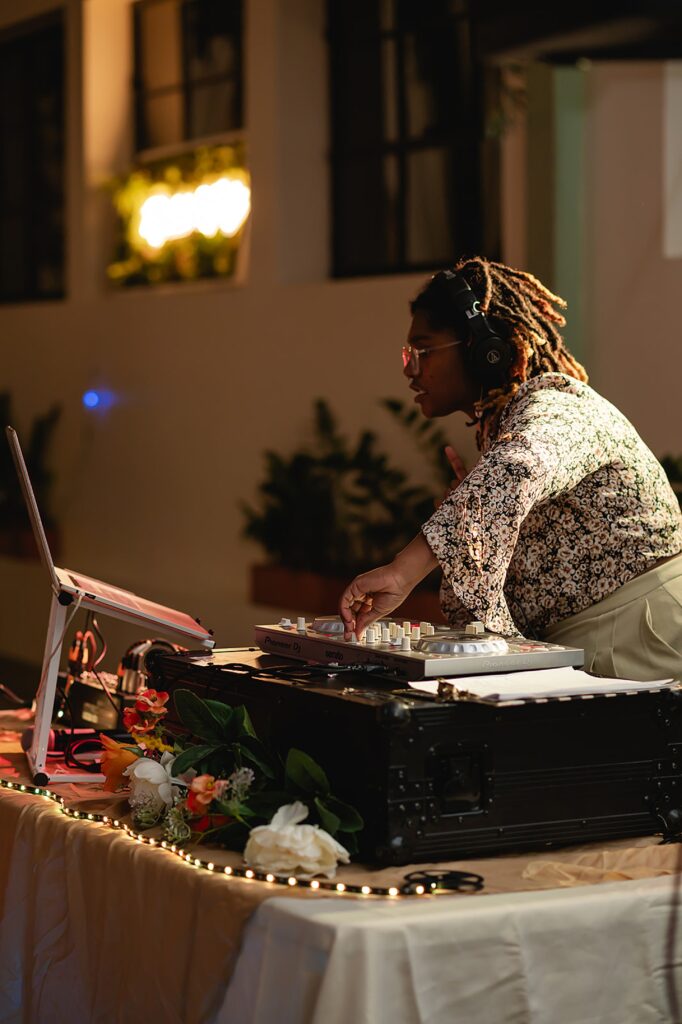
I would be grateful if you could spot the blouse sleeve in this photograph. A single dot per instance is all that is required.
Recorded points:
(546, 445)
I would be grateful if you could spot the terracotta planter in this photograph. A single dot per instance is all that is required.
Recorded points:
(309, 593)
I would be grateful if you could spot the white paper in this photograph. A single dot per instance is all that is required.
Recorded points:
(537, 685)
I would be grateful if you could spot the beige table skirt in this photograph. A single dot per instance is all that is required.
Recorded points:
(97, 927)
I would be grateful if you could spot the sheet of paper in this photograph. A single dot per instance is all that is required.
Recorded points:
(539, 683)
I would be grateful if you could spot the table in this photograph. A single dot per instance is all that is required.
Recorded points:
(97, 927)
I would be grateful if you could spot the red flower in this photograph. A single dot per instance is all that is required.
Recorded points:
(134, 723)
(151, 702)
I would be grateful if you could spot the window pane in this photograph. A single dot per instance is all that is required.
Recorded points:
(213, 108)
(160, 45)
(393, 204)
(360, 225)
(32, 162)
(430, 87)
(390, 75)
(163, 122)
(387, 15)
(429, 226)
(213, 37)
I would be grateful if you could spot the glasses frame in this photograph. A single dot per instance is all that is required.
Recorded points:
(412, 355)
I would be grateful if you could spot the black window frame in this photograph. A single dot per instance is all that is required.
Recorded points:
(468, 224)
(42, 206)
(186, 85)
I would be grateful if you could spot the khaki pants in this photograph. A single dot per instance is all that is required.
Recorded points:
(634, 633)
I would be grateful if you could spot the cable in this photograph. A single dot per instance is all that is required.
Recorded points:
(95, 626)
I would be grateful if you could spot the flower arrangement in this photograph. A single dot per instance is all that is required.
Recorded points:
(213, 781)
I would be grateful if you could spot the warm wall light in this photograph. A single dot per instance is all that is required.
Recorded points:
(182, 218)
(221, 206)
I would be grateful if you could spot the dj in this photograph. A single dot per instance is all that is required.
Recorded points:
(567, 529)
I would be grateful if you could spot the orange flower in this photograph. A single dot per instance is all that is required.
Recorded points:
(202, 790)
(115, 760)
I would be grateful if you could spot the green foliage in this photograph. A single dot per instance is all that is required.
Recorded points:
(229, 742)
(182, 259)
(36, 453)
(340, 506)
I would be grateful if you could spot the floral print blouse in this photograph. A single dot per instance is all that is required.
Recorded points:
(565, 506)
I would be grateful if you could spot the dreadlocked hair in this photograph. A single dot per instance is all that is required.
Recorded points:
(520, 309)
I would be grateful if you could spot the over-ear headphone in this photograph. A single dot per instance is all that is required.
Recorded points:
(136, 663)
(488, 355)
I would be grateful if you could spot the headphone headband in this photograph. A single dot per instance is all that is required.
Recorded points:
(489, 355)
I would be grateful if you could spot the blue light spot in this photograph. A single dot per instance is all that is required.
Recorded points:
(99, 400)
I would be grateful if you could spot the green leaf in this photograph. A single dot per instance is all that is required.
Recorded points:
(349, 819)
(222, 713)
(329, 821)
(267, 803)
(252, 750)
(243, 719)
(197, 717)
(305, 773)
(191, 757)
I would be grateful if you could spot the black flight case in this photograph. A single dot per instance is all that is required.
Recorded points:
(444, 780)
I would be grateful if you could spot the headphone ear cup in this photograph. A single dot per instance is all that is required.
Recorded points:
(490, 359)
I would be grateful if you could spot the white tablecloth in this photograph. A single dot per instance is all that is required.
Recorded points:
(607, 954)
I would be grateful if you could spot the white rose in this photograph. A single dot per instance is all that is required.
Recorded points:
(286, 847)
(150, 782)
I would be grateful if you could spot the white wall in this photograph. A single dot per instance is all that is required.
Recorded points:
(634, 345)
(209, 375)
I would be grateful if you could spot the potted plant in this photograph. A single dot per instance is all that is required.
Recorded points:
(16, 535)
(336, 508)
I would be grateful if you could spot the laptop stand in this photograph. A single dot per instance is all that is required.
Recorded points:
(60, 608)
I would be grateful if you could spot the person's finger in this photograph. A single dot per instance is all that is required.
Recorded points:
(455, 460)
(354, 601)
(365, 618)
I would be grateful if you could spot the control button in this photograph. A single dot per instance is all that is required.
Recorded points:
(300, 623)
(474, 628)
(286, 623)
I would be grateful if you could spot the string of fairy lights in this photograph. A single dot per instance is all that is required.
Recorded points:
(289, 881)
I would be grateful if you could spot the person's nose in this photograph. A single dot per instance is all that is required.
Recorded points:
(408, 369)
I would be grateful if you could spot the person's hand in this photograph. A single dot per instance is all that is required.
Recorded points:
(370, 596)
(458, 468)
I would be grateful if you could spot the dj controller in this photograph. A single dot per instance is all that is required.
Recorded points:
(412, 650)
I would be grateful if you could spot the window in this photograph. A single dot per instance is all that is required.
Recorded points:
(32, 171)
(188, 70)
(405, 134)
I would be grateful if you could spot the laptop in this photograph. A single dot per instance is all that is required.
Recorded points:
(71, 591)
(113, 600)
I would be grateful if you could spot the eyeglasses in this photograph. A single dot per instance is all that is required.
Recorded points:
(412, 355)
